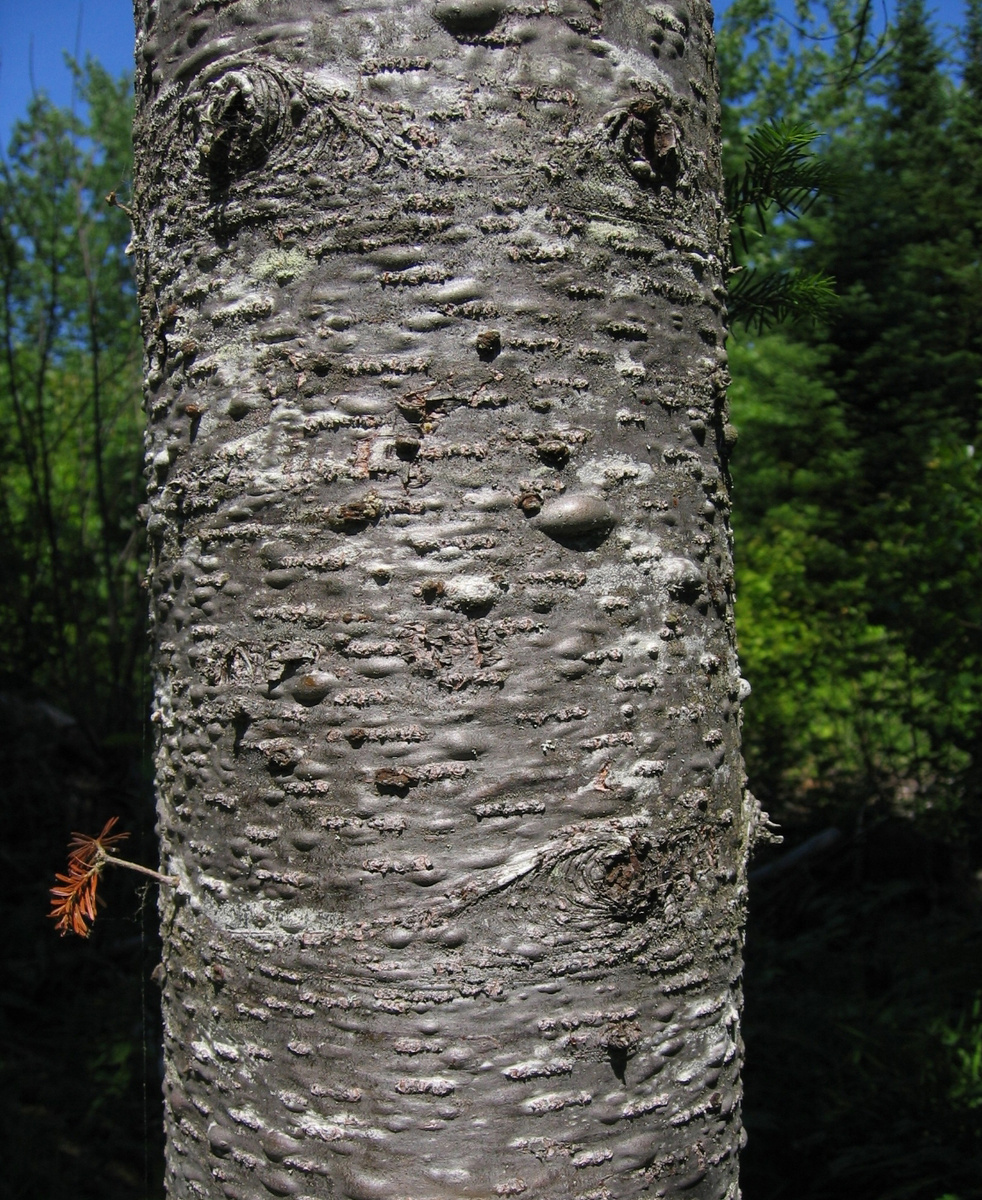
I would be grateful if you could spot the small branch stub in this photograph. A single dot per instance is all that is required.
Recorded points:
(114, 203)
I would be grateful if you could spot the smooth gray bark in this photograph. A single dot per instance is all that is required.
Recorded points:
(446, 689)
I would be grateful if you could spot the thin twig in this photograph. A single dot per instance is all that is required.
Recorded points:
(114, 203)
(173, 880)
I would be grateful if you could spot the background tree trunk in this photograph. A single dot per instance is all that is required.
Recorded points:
(446, 688)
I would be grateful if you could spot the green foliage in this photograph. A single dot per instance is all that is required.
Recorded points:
(962, 1041)
(779, 172)
(71, 617)
(758, 299)
(858, 527)
(779, 176)
(78, 1027)
(858, 506)
(781, 84)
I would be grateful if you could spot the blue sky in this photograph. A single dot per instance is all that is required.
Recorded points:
(34, 34)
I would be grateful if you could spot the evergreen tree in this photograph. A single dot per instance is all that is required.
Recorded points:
(858, 522)
(71, 611)
(906, 360)
(885, 559)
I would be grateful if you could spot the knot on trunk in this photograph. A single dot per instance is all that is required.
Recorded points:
(246, 113)
(627, 888)
(618, 877)
(646, 140)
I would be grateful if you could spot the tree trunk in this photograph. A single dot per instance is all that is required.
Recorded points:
(446, 690)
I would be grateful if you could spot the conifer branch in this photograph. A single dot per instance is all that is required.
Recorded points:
(758, 299)
(73, 900)
(781, 173)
